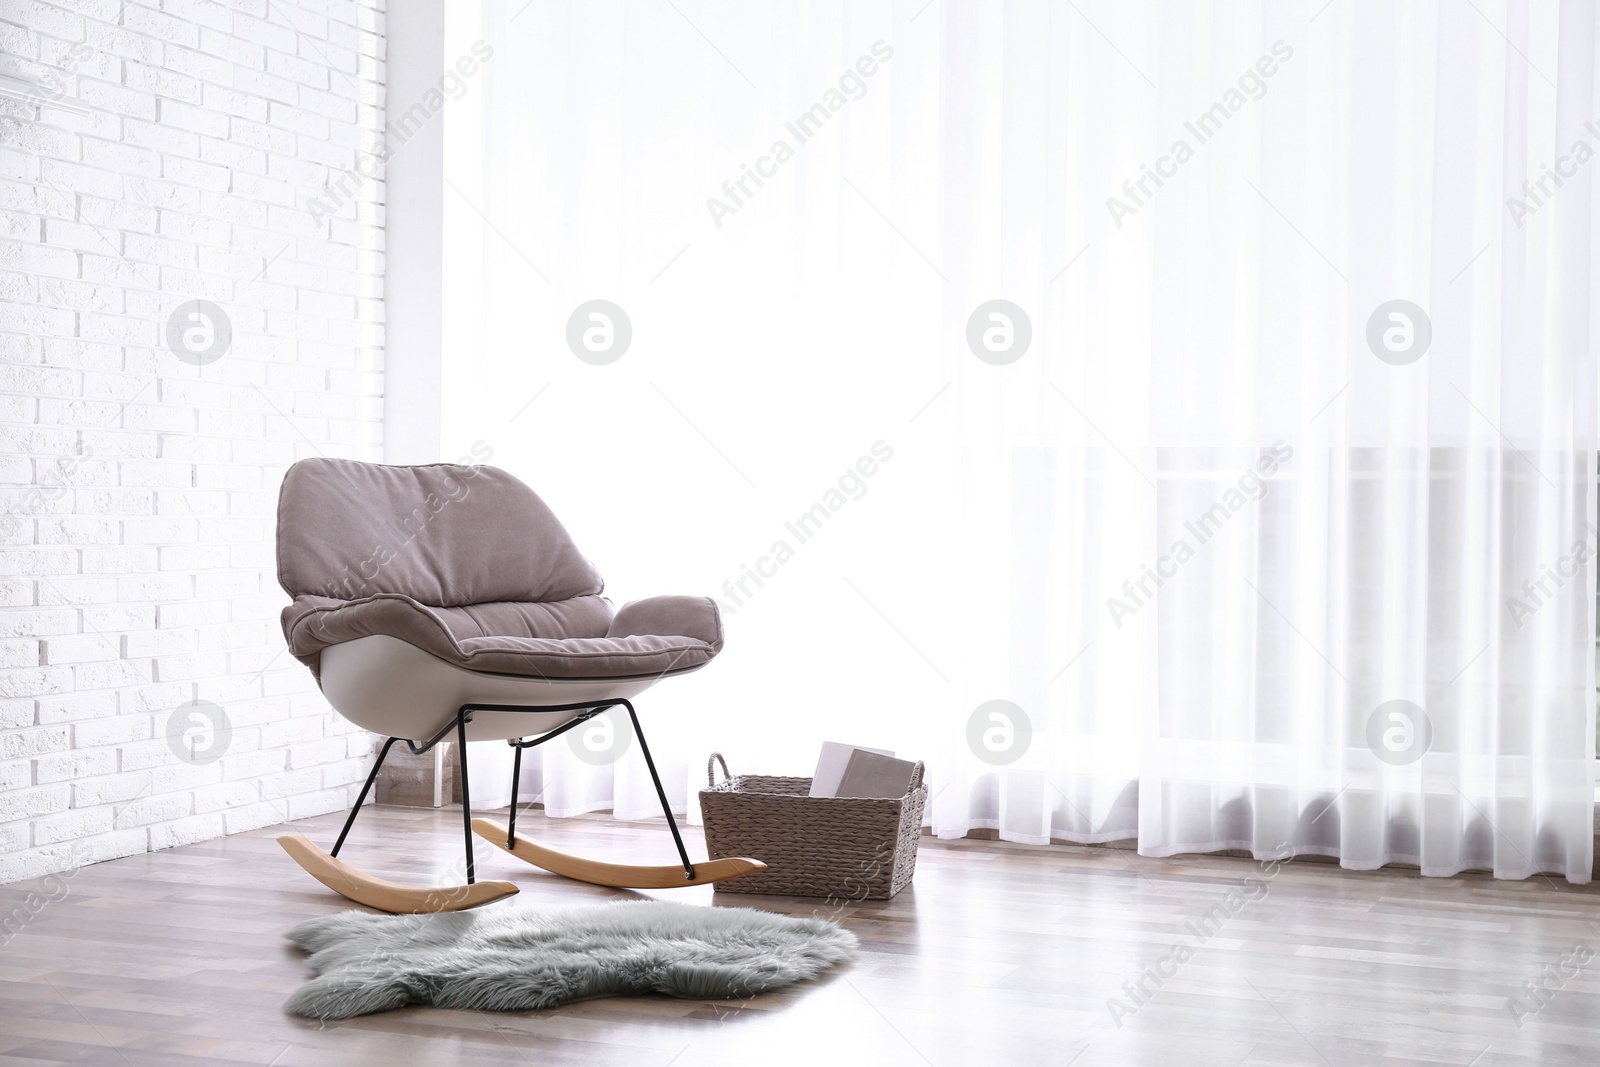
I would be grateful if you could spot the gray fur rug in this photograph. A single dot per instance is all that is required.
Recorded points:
(514, 958)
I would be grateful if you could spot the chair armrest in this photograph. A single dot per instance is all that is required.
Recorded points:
(670, 616)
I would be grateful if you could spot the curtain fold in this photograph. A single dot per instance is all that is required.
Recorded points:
(1225, 374)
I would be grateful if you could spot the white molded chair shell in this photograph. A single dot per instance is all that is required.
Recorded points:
(393, 688)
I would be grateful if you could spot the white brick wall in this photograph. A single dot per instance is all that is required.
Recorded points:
(137, 490)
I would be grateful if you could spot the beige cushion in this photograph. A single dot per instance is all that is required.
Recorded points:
(468, 564)
(526, 639)
(445, 534)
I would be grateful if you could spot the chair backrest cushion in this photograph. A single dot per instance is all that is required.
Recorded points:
(445, 534)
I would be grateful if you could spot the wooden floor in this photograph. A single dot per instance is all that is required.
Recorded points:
(997, 954)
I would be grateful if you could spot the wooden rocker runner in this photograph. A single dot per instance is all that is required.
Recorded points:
(446, 602)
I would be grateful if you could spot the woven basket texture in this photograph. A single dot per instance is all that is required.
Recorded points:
(846, 848)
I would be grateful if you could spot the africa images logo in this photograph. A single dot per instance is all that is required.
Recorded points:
(1251, 85)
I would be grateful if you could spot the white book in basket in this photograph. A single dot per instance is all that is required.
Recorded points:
(831, 764)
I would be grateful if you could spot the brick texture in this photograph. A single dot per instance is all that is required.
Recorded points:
(146, 699)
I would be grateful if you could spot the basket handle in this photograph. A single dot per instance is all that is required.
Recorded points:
(711, 774)
(916, 777)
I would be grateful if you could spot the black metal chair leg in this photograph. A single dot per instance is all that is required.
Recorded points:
(362, 799)
(466, 791)
(519, 744)
(516, 784)
(666, 808)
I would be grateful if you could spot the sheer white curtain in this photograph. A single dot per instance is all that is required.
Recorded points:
(1389, 656)
(1255, 515)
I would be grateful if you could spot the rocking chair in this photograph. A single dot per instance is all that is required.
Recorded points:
(447, 602)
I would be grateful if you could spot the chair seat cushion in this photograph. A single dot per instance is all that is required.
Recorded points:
(577, 638)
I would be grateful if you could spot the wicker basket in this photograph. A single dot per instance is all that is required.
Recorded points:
(849, 848)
